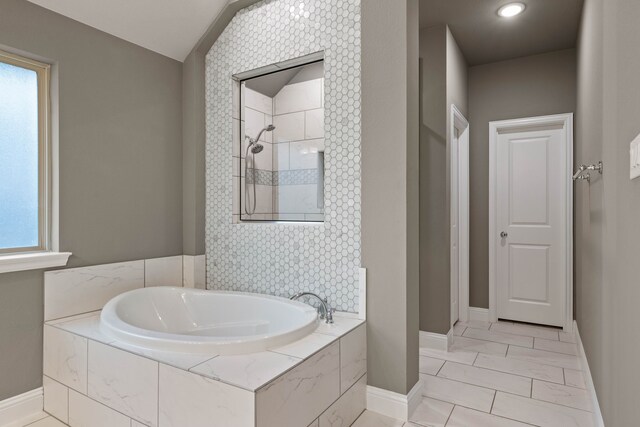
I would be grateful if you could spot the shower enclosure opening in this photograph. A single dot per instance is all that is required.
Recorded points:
(282, 153)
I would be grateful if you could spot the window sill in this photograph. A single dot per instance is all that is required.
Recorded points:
(33, 261)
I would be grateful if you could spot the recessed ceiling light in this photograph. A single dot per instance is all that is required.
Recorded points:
(511, 10)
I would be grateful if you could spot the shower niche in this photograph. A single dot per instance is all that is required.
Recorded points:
(278, 158)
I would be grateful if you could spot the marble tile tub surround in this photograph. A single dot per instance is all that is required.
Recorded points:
(92, 380)
(85, 289)
(326, 256)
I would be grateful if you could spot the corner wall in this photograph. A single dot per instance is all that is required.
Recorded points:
(525, 87)
(120, 165)
(389, 201)
(443, 83)
(607, 291)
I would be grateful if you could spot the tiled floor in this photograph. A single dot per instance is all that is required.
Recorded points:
(499, 374)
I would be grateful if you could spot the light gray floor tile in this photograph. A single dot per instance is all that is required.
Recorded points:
(539, 413)
(486, 378)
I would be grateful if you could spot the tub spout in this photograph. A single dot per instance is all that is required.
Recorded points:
(326, 312)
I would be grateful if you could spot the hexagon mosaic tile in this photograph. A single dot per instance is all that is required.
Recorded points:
(274, 258)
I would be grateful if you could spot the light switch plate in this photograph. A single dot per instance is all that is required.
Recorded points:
(634, 158)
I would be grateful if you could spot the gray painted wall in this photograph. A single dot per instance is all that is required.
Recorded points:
(607, 291)
(389, 201)
(525, 87)
(120, 165)
(444, 82)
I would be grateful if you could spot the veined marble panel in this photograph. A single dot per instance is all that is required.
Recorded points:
(348, 407)
(80, 290)
(188, 399)
(65, 358)
(86, 412)
(124, 382)
(298, 397)
(165, 271)
(353, 357)
(56, 398)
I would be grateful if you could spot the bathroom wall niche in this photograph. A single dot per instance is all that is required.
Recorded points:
(279, 162)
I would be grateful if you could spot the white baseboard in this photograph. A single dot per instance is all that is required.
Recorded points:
(392, 404)
(478, 314)
(597, 414)
(435, 341)
(21, 406)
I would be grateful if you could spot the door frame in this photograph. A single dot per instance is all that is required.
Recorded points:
(495, 128)
(461, 124)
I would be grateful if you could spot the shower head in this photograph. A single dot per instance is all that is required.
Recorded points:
(268, 128)
(257, 148)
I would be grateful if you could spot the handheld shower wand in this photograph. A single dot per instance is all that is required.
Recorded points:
(255, 148)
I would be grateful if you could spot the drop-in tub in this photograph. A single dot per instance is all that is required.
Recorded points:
(208, 322)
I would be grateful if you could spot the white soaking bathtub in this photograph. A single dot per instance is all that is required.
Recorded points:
(205, 322)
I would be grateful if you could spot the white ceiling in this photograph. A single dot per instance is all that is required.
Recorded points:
(169, 27)
(483, 37)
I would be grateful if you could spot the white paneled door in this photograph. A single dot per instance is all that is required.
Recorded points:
(531, 172)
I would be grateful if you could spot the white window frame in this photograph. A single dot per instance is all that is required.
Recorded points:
(46, 254)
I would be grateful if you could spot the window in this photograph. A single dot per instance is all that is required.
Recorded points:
(25, 163)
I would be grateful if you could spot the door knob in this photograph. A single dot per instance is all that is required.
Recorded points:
(504, 234)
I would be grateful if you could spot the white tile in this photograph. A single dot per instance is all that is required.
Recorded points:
(459, 356)
(465, 417)
(258, 101)
(339, 327)
(46, 422)
(353, 357)
(80, 290)
(85, 412)
(86, 326)
(373, 419)
(303, 393)
(431, 412)
(124, 382)
(480, 346)
(188, 399)
(526, 330)
(456, 392)
(56, 398)
(305, 154)
(200, 271)
(281, 156)
(254, 122)
(565, 337)
(179, 360)
(524, 368)
(574, 378)
(134, 423)
(306, 346)
(458, 329)
(556, 346)
(289, 127)
(429, 365)
(476, 324)
(65, 358)
(299, 97)
(486, 378)
(188, 279)
(314, 124)
(344, 411)
(316, 423)
(249, 371)
(539, 413)
(545, 357)
(165, 271)
(499, 337)
(268, 135)
(562, 395)
(297, 199)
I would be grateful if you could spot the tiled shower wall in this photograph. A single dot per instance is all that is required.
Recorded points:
(299, 150)
(275, 258)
